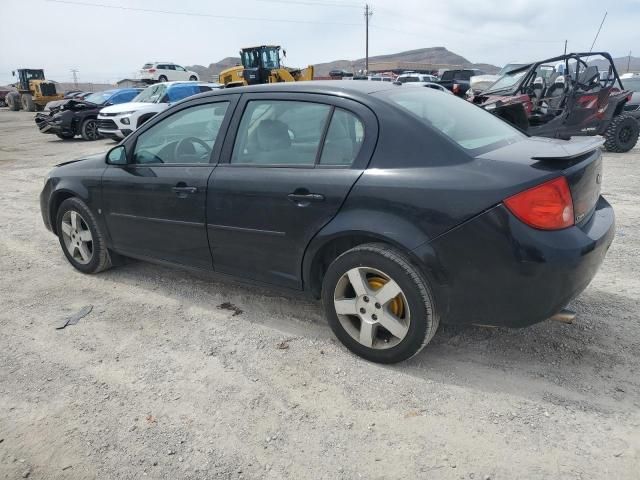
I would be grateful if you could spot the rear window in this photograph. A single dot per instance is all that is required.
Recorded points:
(469, 126)
(147, 65)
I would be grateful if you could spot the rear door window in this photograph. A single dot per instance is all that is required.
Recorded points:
(280, 132)
(344, 139)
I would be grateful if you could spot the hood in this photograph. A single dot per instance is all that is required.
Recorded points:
(125, 107)
(480, 83)
(88, 161)
(73, 105)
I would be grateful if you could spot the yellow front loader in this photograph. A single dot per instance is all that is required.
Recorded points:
(262, 65)
(33, 91)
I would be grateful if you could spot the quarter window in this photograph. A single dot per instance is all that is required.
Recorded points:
(280, 132)
(187, 136)
(343, 140)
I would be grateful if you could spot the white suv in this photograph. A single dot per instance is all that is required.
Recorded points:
(166, 72)
(408, 77)
(118, 121)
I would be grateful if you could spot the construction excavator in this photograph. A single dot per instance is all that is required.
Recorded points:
(263, 65)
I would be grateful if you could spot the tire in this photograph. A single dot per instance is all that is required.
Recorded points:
(622, 134)
(162, 78)
(13, 100)
(89, 129)
(27, 102)
(193, 78)
(64, 136)
(412, 311)
(96, 249)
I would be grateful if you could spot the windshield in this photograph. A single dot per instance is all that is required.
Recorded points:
(632, 84)
(510, 66)
(508, 80)
(270, 58)
(99, 98)
(250, 59)
(469, 126)
(151, 94)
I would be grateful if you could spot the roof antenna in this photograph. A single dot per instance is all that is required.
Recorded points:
(598, 33)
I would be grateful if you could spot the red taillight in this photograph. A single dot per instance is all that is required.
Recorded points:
(456, 88)
(548, 206)
(151, 70)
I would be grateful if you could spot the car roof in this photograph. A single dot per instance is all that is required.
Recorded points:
(334, 87)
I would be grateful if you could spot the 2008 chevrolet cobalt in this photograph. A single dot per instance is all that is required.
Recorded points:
(399, 207)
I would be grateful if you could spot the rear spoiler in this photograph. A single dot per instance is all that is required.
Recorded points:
(576, 147)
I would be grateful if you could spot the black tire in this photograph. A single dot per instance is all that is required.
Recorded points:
(162, 78)
(13, 100)
(100, 258)
(622, 134)
(64, 136)
(193, 78)
(27, 102)
(424, 320)
(89, 129)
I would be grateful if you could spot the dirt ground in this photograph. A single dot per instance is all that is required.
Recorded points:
(160, 381)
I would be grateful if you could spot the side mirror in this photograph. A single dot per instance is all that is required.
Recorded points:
(117, 156)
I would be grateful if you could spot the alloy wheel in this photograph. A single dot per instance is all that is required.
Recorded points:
(372, 307)
(77, 237)
(92, 130)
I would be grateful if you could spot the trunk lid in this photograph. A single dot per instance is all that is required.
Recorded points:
(579, 160)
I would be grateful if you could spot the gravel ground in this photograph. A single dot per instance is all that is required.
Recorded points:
(161, 380)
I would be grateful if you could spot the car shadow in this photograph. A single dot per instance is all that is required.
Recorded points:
(560, 363)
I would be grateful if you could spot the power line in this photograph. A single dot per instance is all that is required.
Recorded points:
(313, 2)
(195, 14)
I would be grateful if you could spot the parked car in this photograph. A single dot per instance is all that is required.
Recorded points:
(3, 94)
(53, 105)
(434, 86)
(416, 77)
(340, 74)
(632, 107)
(166, 72)
(399, 207)
(564, 96)
(118, 121)
(458, 81)
(72, 117)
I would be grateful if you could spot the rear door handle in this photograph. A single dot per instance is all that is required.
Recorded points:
(305, 197)
(183, 190)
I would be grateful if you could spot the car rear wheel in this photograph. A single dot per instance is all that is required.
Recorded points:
(89, 129)
(162, 78)
(621, 134)
(80, 238)
(378, 304)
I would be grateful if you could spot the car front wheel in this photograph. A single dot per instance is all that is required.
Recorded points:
(378, 304)
(80, 238)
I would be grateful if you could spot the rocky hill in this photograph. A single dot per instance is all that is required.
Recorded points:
(435, 55)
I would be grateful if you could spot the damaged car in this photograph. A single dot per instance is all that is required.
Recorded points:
(72, 117)
(565, 96)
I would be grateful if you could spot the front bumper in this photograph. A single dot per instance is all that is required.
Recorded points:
(495, 270)
(59, 123)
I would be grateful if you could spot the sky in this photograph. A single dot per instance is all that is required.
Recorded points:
(106, 40)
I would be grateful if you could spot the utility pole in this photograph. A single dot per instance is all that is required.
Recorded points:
(565, 47)
(629, 61)
(75, 77)
(367, 15)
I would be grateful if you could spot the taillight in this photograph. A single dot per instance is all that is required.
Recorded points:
(151, 70)
(456, 88)
(547, 206)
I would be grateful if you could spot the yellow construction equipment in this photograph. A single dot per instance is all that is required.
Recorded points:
(34, 92)
(262, 65)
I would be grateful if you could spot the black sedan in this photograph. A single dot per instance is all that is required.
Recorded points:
(399, 207)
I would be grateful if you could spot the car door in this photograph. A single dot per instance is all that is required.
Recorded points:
(154, 206)
(283, 176)
(180, 73)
